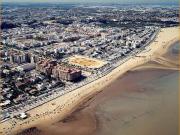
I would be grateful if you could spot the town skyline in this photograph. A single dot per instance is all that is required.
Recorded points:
(94, 1)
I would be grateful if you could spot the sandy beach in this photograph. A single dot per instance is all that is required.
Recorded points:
(61, 107)
(125, 109)
(129, 105)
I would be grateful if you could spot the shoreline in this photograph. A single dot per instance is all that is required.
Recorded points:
(98, 111)
(61, 107)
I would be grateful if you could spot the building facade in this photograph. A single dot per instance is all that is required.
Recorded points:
(60, 72)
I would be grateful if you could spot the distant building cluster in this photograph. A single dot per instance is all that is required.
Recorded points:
(19, 57)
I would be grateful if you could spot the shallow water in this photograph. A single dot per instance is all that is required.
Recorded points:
(173, 52)
(143, 102)
(149, 107)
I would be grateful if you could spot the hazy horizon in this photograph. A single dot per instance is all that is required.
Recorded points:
(95, 1)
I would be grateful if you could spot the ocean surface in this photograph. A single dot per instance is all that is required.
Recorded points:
(141, 102)
(147, 105)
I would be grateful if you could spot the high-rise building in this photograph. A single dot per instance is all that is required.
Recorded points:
(66, 73)
(61, 72)
(19, 57)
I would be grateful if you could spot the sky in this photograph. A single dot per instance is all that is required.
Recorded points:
(101, 1)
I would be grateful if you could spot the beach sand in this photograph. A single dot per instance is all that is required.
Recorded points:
(61, 107)
(129, 105)
(123, 109)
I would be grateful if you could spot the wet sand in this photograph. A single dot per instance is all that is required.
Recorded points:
(141, 102)
(59, 108)
(173, 53)
(145, 108)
